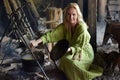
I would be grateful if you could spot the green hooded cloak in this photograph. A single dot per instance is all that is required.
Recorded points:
(77, 64)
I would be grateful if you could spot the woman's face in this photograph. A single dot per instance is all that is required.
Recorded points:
(72, 16)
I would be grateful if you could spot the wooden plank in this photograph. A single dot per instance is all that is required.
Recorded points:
(33, 8)
(7, 7)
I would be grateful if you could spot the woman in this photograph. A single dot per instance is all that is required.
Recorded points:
(77, 62)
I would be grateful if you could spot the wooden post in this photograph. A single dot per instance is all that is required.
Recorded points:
(7, 7)
(13, 2)
(92, 21)
(80, 3)
(33, 8)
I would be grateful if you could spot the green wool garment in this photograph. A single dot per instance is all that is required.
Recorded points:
(77, 64)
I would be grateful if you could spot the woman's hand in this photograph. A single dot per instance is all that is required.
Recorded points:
(35, 42)
(69, 49)
(77, 56)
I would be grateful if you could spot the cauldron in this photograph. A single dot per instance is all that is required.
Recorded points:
(30, 64)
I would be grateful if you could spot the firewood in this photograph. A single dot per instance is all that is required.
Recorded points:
(9, 61)
(39, 75)
(6, 69)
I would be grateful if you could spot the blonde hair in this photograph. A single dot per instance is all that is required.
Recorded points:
(74, 5)
(79, 13)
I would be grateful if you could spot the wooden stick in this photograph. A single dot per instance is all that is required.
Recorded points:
(39, 75)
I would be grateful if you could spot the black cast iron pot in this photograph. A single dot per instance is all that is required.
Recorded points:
(29, 63)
